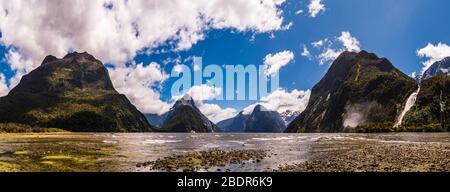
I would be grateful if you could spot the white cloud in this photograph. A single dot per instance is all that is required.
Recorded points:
(433, 53)
(413, 75)
(331, 48)
(329, 55)
(282, 101)
(116, 35)
(138, 83)
(201, 93)
(20, 65)
(315, 7)
(306, 52)
(3, 86)
(273, 63)
(178, 68)
(350, 43)
(33, 29)
(215, 113)
(317, 44)
(299, 12)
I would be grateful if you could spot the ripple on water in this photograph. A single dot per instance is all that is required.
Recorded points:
(272, 138)
(110, 141)
(159, 141)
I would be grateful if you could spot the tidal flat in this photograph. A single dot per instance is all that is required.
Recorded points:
(153, 152)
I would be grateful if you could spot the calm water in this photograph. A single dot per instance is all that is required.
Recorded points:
(121, 152)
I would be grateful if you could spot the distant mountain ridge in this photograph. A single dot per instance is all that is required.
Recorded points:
(288, 116)
(235, 124)
(439, 68)
(260, 120)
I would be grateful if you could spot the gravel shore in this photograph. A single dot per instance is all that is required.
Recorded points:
(380, 157)
(204, 160)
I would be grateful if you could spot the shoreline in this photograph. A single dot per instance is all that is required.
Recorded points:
(379, 157)
(93, 152)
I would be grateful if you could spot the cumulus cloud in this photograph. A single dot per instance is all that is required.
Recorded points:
(315, 7)
(140, 83)
(305, 52)
(318, 44)
(202, 93)
(3, 86)
(331, 48)
(433, 53)
(215, 113)
(350, 43)
(115, 31)
(329, 55)
(273, 63)
(282, 101)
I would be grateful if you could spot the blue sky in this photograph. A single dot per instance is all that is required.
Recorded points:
(391, 29)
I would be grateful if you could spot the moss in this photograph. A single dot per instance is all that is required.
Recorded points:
(9, 167)
(21, 153)
(196, 161)
(48, 162)
(64, 158)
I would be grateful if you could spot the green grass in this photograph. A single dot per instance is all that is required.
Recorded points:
(22, 128)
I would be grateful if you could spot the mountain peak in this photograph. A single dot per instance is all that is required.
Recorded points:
(259, 108)
(263, 120)
(83, 55)
(49, 59)
(184, 116)
(185, 100)
(366, 55)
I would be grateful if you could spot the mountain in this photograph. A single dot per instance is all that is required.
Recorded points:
(155, 119)
(264, 121)
(260, 120)
(288, 116)
(184, 116)
(431, 111)
(74, 93)
(440, 68)
(235, 124)
(360, 90)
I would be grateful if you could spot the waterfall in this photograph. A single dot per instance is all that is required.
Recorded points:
(409, 103)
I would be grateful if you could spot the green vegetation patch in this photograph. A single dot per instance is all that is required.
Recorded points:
(8, 167)
(23, 128)
(64, 158)
(21, 153)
